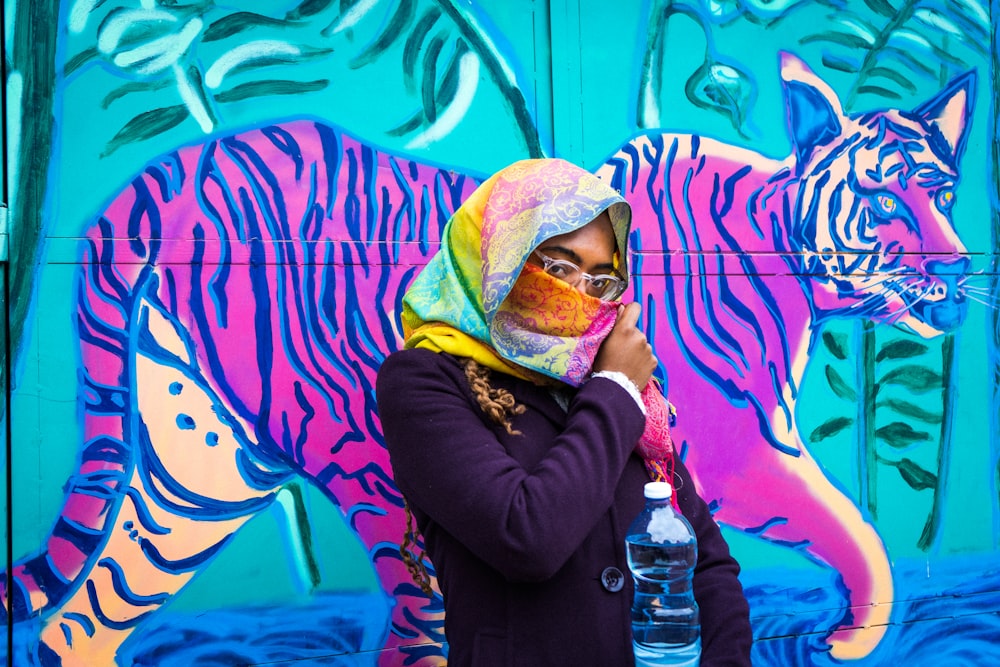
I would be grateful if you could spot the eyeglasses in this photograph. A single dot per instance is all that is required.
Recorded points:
(605, 287)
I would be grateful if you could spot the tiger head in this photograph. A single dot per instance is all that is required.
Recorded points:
(874, 204)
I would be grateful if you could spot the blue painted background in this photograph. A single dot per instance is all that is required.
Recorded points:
(97, 90)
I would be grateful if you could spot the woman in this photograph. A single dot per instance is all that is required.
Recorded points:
(516, 422)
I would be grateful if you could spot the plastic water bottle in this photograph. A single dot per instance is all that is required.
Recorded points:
(662, 551)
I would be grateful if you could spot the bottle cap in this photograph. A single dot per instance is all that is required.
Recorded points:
(657, 490)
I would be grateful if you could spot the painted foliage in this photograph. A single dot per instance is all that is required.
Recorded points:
(811, 250)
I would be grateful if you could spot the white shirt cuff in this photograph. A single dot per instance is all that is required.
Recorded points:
(622, 381)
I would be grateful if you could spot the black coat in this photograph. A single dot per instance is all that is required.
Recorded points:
(523, 528)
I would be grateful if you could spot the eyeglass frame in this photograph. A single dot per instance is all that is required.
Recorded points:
(588, 278)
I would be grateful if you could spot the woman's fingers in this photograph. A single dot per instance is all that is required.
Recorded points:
(628, 315)
(626, 349)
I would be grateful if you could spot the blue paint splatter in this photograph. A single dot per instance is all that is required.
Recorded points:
(185, 422)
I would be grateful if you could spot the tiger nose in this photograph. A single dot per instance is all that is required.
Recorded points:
(947, 273)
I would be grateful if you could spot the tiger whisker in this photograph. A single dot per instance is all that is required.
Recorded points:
(920, 297)
(989, 303)
(872, 302)
(869, 283)
(978, 276)
(868, 308)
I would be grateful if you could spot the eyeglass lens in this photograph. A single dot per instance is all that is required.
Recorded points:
(605, 287)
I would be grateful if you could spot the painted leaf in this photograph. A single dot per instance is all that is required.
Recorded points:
(923, 50)
(79, 60)
(415, 121)
(133, 87)
(146, 125)
(839, 386)
(900, 435)
(830, 428)
(919, 65)
(900, 348)
(722, 88)
(836, 343)
(911, 41)
(448, 86)
(294, 55)
(447, 89)
(972, 10)
(881, 7)
(927, 534)
(839, 64)
(916, 378)
(880, 91)
(947, 57)
(397, 25)
(857, 26)
(414, 44)
(153, 45)
(894, 76)
(304, 531)
(274, 87)
(918, 478)
(911, 410)
(429, 78)
(937, 20)
(308, 8)
(974, 24)
(236, 23)
(847, 39)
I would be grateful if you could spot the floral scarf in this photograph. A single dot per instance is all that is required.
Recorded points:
(478, 298)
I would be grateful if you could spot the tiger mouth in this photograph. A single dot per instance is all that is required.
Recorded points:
(944, 315)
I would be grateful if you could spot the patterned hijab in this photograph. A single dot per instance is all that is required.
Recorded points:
(484, 248)
(477, 298)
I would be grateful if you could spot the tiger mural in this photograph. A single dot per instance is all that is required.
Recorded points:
(229, 341)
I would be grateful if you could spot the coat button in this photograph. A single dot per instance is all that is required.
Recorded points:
(612, 579)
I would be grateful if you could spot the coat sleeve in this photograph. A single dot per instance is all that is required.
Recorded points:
(725, 615)
(525, 523)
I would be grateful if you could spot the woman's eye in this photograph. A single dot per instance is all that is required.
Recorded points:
(886, 204)
(561, 270)
(600, 283)
(945, 199)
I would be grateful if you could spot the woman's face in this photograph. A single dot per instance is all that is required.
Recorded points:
(591, 248)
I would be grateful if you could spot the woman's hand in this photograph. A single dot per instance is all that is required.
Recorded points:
(626, 349)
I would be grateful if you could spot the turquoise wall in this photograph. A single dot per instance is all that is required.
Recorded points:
(897, 423)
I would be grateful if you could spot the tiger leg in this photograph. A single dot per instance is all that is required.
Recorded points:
(351, 464)
(354, 471)
(784, 497)
(834, 533)
(194, 484)
(416, 629)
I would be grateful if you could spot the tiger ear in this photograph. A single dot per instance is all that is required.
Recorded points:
(947, 116)
(813, 109)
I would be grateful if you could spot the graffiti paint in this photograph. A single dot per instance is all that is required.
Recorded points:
(232, 302)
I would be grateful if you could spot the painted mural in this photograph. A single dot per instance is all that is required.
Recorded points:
(213, 228)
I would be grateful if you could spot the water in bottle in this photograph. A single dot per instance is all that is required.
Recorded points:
(662, 551)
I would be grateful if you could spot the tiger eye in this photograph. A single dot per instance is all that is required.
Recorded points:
(887, 203)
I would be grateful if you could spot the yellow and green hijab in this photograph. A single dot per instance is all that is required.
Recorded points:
(477, 298)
